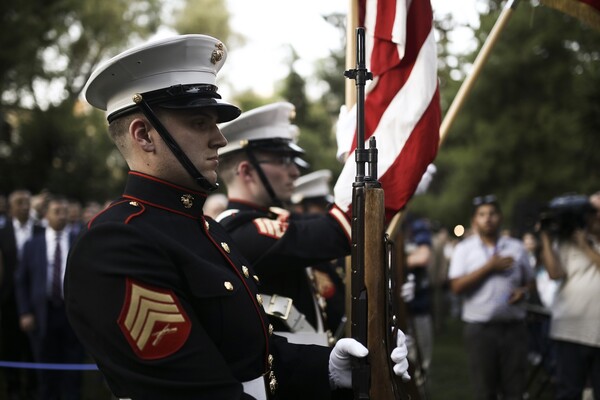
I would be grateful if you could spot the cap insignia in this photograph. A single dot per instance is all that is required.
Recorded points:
(153, 321)
(217, 54)
(187, 200)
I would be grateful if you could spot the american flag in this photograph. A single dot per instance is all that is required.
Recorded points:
(402, 107)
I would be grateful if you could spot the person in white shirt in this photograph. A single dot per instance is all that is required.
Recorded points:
(575, 325)
(492, 274)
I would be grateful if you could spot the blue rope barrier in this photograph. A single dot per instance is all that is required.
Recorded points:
(64, 367)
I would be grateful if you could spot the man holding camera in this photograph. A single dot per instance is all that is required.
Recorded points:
(575, 313)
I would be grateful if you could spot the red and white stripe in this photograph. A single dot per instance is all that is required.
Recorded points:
(402, 107)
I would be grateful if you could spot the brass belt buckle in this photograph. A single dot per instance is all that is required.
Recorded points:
(276, 311)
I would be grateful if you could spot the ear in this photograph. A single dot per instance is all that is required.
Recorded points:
(245, 170)
(139, 130)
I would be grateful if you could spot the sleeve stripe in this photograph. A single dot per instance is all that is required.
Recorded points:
(342, 219)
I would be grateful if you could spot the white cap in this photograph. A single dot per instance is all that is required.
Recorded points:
(268, 127)
(174, 72)
(313, 185)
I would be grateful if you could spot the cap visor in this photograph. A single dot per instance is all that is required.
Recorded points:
(225, 111)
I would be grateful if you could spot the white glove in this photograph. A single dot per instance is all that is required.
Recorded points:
(407, 291)
(340, 365)
(340, 368)
(400, 357)
(426, 180)
(344, 132)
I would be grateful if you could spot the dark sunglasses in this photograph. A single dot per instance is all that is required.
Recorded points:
(487, 199)
(286, 160)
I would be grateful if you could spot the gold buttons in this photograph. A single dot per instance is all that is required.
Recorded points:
(272, 378)
(259, 299)
(256, 278)
(187, 200)
(225, 247)
(270, 329)
(330, 339)
(134, 203)
(272, 383)
(245, 271)
(206, 225)
(228, 285)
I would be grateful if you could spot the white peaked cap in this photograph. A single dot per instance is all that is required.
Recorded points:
(268, 127)
(183, 69)
(315, 184)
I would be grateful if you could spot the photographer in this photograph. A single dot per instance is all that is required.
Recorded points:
(572, 253)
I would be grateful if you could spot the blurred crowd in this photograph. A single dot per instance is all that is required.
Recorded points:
(36, 232)
(554, 316)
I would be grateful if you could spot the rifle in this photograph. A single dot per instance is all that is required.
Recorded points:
(374, 320)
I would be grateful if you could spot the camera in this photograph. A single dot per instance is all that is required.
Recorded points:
(564, 214)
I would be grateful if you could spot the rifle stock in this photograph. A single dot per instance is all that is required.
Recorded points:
(378, 331)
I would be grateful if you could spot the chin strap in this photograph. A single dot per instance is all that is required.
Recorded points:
(172, 144)
(261, 174)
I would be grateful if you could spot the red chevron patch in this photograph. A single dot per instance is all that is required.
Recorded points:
(153, 321)
(270, 227)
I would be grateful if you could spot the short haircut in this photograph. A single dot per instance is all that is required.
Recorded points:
(489, 199)
(118, 128)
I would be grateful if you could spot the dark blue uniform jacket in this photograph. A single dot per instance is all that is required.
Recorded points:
(168, 307)
(281, 246)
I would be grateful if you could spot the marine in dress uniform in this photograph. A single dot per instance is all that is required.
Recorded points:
(158, 293)
(312, 195)
(280, 244)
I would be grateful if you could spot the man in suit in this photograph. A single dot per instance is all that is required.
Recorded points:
(14, 345)
(38, 285)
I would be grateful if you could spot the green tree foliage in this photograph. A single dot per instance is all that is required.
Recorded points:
(47, 51)
(207, 17)
(314, 121)
(64, 158)
(62, 41)
(529, 129)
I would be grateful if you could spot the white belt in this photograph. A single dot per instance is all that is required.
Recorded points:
(319, 338)
(256, 388)
(284, 309)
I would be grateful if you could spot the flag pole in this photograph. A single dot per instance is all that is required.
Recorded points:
(480, 60)
(351, 25)
(350, 98)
